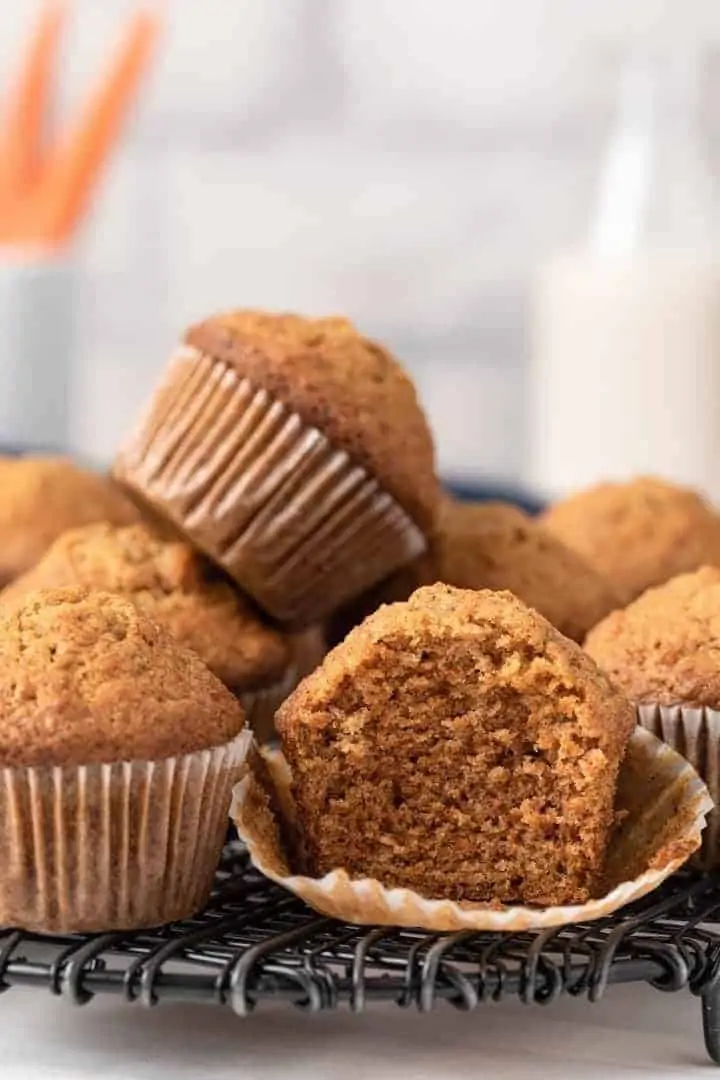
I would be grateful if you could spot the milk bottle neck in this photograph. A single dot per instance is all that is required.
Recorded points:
(656, 191)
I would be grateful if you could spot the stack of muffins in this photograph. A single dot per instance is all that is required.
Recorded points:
(279, 491)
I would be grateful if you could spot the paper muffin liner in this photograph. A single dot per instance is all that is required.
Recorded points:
(661, 808)
(695, 733)
(114, 846)
(295, 522)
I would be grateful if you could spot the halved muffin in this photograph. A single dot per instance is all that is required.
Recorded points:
(458, 745)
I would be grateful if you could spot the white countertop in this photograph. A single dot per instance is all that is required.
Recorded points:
(633, 1032)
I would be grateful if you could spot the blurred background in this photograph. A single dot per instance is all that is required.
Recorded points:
(414, 164)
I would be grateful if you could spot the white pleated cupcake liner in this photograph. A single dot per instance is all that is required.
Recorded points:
(114, 846)
(695, 733)
(294, 521)
(662, 805)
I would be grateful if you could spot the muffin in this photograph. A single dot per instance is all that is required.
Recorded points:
(44, 496)
(460, 746)
(663, 651)
(496, 546)
(294, 452)
(665, 646)
(119, 750)
(183, 592)
(639, 533)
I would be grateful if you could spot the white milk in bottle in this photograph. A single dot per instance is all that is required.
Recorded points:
(625, 372)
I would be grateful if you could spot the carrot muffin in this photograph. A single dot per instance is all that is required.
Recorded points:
(497, 546)
(458, 745)
(294, 452)
(665, 646)
(168, 581)
(44, 496)
(119, 749)
(662, 651)
(639, 533)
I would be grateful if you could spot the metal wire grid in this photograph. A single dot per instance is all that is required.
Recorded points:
(255, 942)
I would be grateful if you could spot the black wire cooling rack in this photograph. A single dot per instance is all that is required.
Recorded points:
(255, 942)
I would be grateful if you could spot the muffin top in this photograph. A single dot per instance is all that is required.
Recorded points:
(168, 581)
(514, 646)
(639, 533)
(497, 546)
(85, 677)
(347, 386)
(665, 647)
(44, 496)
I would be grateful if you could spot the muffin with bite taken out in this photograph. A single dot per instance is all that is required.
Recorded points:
(460, 746)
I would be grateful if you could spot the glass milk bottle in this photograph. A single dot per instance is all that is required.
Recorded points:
(625, 370)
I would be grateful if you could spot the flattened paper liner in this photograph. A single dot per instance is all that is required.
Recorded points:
(662, 804)
(694, 733)
(295, 522)
(114, 846)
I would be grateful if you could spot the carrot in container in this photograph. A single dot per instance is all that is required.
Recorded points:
(79, 161)
(22, 127)
(47, 212)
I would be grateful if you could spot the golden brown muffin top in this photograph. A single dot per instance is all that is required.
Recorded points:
(639, 533)
(497, 546)
(44, 496)
(85, 677)
(518, 648)
(168, 581)
(347, 386)
(665, 646)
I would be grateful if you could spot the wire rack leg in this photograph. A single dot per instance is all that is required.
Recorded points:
(711, 1022)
